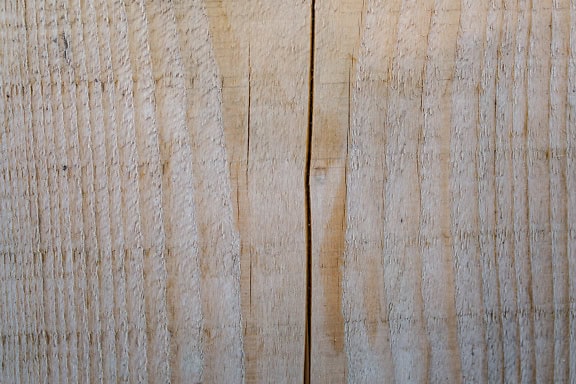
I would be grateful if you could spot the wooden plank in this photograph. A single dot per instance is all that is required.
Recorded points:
(262, 50)
(458, 150)
(337, 36)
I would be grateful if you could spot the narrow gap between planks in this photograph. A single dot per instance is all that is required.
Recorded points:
(308, 208)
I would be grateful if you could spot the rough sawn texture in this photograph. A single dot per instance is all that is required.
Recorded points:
(153, 191)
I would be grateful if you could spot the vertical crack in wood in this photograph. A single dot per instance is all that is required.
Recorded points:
(308, 208)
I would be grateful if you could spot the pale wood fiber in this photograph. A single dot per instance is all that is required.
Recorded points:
(153, 208)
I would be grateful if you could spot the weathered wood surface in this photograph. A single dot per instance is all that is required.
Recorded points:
(153, 208)
(262, 51)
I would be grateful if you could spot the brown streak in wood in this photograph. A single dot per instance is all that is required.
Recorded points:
(332, 250)
(249, 109)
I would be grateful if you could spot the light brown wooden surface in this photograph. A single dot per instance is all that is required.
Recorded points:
(153, 208)
(337, 37)
(262, 49)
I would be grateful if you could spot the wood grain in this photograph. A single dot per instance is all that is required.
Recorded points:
(263, 50)
(465, 136)
(155, 196)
